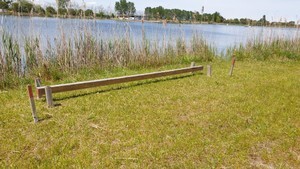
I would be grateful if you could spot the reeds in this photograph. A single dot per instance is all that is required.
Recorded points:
(272, 48)
(10, 61)
(68, 55)
(85, 51)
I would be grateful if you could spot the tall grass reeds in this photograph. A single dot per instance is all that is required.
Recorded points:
(272, 48)
(29, 58)
(11, 61)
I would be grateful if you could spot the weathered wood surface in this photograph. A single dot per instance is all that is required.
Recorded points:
(32, 104)
(49, 98)
(232, 66)
(209, 70)
(117, 80)
(38, 82)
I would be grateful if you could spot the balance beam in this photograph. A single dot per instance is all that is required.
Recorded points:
(104, 82)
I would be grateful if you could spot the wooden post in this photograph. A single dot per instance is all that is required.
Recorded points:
(49, 97)
(38, 84)
(209, 70)
(32, 104)
(232, 66)
(193, 64)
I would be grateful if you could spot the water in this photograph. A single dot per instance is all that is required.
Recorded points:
(219, 36)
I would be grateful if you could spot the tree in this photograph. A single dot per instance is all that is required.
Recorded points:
(62, 11)
(80, 12)
(4, 4)
(62, 3)
(243, 21)
(207, 17)
(197, 16)
(100, 14)
(50, 11)
(160, 12)
(26, 6)
(264, 20)
(15, 7)
(22, 6)
(39, 10)
(89, 12)
(148, 13)
(131, 8)
(72, 12)
(217, 17)
(121, 7)
(125, 8)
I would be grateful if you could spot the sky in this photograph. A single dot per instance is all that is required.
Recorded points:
(274, 10)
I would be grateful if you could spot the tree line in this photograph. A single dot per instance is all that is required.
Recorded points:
(159, 13)
(63, 9)
(177, 15)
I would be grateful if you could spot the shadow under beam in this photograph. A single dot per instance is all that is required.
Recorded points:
(44, 118)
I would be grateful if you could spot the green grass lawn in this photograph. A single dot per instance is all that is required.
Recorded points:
(249, 120)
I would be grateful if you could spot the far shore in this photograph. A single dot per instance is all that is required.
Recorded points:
(139, 20)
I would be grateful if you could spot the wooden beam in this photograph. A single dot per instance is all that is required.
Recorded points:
(117, 80)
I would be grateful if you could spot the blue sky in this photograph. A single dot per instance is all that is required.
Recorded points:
(255, 9)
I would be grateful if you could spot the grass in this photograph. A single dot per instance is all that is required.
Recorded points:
(250, 120)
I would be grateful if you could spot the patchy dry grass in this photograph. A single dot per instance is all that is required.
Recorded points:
(250, 120)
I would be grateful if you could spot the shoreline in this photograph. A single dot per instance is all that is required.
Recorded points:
(145, 21)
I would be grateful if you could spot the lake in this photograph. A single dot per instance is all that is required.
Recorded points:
(219, 36)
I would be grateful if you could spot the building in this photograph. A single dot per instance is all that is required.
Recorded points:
(3, 10)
